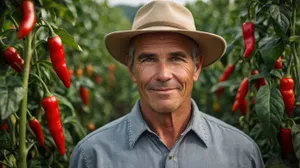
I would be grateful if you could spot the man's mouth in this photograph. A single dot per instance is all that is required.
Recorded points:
(163, 90)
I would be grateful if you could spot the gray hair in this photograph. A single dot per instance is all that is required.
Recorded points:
(195, 52)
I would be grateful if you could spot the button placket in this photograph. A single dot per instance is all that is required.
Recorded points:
(172, 159)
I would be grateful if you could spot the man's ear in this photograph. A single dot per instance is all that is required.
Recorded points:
(130, 68)
(198, 67)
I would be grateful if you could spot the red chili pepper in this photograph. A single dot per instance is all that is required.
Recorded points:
(278, 64)
(244, 107)
(50, 105)
(228, 71)
(84, 93)
(37, 129)
(253, 100)
(13, 58)
(29, 19)
(249, 39)
(286, 141)
(287, 92)
(57, 55)
(240, 96)
(260, 82)
(98, 79)
(71, 72)
(4, 127)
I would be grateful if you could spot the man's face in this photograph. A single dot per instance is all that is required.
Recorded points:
(164, 70)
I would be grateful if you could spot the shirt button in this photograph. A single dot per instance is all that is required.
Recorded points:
(170, 157)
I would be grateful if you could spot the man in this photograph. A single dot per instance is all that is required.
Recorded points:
(164, 55)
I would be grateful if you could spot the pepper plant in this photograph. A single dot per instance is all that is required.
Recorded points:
(45, 116)
(263, 45)
(27, 79)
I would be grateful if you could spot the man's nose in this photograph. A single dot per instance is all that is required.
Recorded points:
(164, 72)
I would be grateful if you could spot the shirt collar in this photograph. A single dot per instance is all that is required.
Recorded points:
(198, 124)
(137, 125)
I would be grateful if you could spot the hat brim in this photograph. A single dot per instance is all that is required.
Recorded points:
(211, 46)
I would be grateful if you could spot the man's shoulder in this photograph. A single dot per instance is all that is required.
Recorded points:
(107, 131)
(217, 126)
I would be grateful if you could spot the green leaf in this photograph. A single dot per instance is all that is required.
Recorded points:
(53, 15)
(223, 84)
(63, 101)
(269, 108)
(11, 94)
(5, 140)
(255, 77)
(296, 139)
(76, 124)
(67, 134)
(277, 73)
(280, 21)
(9, 4)
(256, 131)
(86, 82)
(67, 38)
(278, 166)
(228, 49)
(275, 161)
(294, 39)
(4, 67)
(7, 32)
(270, 49)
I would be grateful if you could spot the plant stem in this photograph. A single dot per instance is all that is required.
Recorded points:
(46, 90)
(14, 22)
(294, 51)
(22, 126)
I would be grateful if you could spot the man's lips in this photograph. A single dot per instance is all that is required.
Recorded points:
(162, 89)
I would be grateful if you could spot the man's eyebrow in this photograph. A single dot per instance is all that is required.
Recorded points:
(145, 55)
(179, 54)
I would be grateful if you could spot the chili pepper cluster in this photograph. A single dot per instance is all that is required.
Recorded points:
(228, 71)
(56, 50)
(286, 88)
(249, 39)
(287, 92)
(241, 94)
(9, 53)
(260, 82)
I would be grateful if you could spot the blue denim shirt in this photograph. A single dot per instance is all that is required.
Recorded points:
(129, 143)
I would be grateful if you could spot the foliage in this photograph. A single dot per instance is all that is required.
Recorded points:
(276, 28)
(82, 26)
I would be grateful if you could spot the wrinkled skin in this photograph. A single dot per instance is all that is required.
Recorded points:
(164, 71)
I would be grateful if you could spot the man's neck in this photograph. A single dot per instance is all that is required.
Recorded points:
(168, 126)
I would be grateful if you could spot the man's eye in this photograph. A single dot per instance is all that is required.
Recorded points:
(148, 60)
(177, 59)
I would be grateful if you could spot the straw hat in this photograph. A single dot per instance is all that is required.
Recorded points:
(165, 16)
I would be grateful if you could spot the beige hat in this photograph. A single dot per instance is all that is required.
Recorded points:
(165, 16)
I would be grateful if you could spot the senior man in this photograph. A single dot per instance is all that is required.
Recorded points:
(164, 54)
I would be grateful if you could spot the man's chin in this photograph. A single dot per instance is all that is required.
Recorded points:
(165, 107)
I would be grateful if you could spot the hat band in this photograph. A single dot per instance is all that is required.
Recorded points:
(161, 23)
